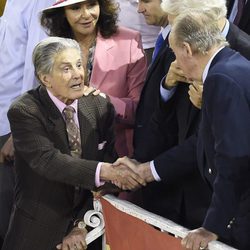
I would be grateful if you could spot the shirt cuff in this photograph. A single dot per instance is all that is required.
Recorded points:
(153, 171)
(166, 94)
(98, 182)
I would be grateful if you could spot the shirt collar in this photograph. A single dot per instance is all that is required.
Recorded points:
(61, 105)
(225, 29)
(205, 72)
(224, 34)
(165, 31)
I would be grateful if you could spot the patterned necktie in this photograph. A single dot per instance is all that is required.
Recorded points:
(158, 45)
(73, 132)
(241, 4)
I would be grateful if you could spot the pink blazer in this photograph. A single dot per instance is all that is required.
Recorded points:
(119, 70)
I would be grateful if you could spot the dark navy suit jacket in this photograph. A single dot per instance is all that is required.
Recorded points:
(224, 144)
(223, 148)
(185, 199)
(244, 23)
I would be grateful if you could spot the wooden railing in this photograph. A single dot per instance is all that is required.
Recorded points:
(94, 219)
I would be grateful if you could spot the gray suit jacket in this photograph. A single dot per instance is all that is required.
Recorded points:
(46, 202)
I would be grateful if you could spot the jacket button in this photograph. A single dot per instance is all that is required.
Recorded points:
(210, 171)
(229, 226)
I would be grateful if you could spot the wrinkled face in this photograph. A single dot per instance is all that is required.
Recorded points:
(82, 17)
(66, 81)
(153, 13)
(184, 57)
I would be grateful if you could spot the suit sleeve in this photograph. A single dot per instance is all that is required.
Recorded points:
(33, 144)
(178, 162)
(125, 107)
(227, 111)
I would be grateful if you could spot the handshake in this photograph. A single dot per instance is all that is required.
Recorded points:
(126, 173)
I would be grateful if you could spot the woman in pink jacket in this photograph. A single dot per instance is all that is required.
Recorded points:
(114, 57)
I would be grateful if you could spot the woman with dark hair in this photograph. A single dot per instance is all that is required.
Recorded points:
(115, 61)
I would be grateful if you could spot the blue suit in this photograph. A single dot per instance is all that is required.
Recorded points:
(224, 146)
(222, 152)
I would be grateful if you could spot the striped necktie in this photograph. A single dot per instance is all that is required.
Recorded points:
(73, 132)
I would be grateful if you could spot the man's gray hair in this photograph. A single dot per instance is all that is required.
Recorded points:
(44, 53)
(199, 30)
(176, 7)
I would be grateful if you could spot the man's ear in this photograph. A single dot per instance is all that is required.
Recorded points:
(187, 49)
(45, 79)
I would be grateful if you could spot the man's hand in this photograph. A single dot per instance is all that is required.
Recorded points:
(195, 94)
(75, 240)
(142, 169)
(122, 176)
(7, 151)
(198, 239)
(175, 74)
(91, 90)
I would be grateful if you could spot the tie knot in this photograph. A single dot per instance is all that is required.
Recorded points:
(69, 112)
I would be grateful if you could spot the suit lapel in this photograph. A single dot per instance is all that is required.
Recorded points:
(56, 125)
(187, 113)
(245, 16)
(57, 130)
(229, 6)
(161, 52)
(103, 56)
(232, 35)
(87, 126)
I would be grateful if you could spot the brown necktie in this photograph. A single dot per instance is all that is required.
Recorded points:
(73, 132)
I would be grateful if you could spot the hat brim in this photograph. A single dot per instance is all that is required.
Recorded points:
(63, 4)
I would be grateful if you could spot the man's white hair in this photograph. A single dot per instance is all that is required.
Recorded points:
(176, 7)
(199, 30)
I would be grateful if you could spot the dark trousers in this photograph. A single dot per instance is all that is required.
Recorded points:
(6, 192)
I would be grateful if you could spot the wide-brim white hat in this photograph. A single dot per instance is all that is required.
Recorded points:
(62, 3)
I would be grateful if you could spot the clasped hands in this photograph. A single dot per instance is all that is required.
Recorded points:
(137, 174)
(127, 174)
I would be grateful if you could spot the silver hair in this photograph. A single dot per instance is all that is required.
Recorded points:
(199, 30)
(176, 7)
(44, 53)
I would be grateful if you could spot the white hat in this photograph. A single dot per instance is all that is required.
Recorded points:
(62, 3)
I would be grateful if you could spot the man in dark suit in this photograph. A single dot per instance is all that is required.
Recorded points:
(58, 159)
(154, 15)
(165, 199)
(222, 151)
(166, 202)
(244, 19)
(179, 117)
(223, 141)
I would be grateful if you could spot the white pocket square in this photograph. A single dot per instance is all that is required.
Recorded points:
(101, 145)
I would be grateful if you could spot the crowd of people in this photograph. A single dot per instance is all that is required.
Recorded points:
(159, 107)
